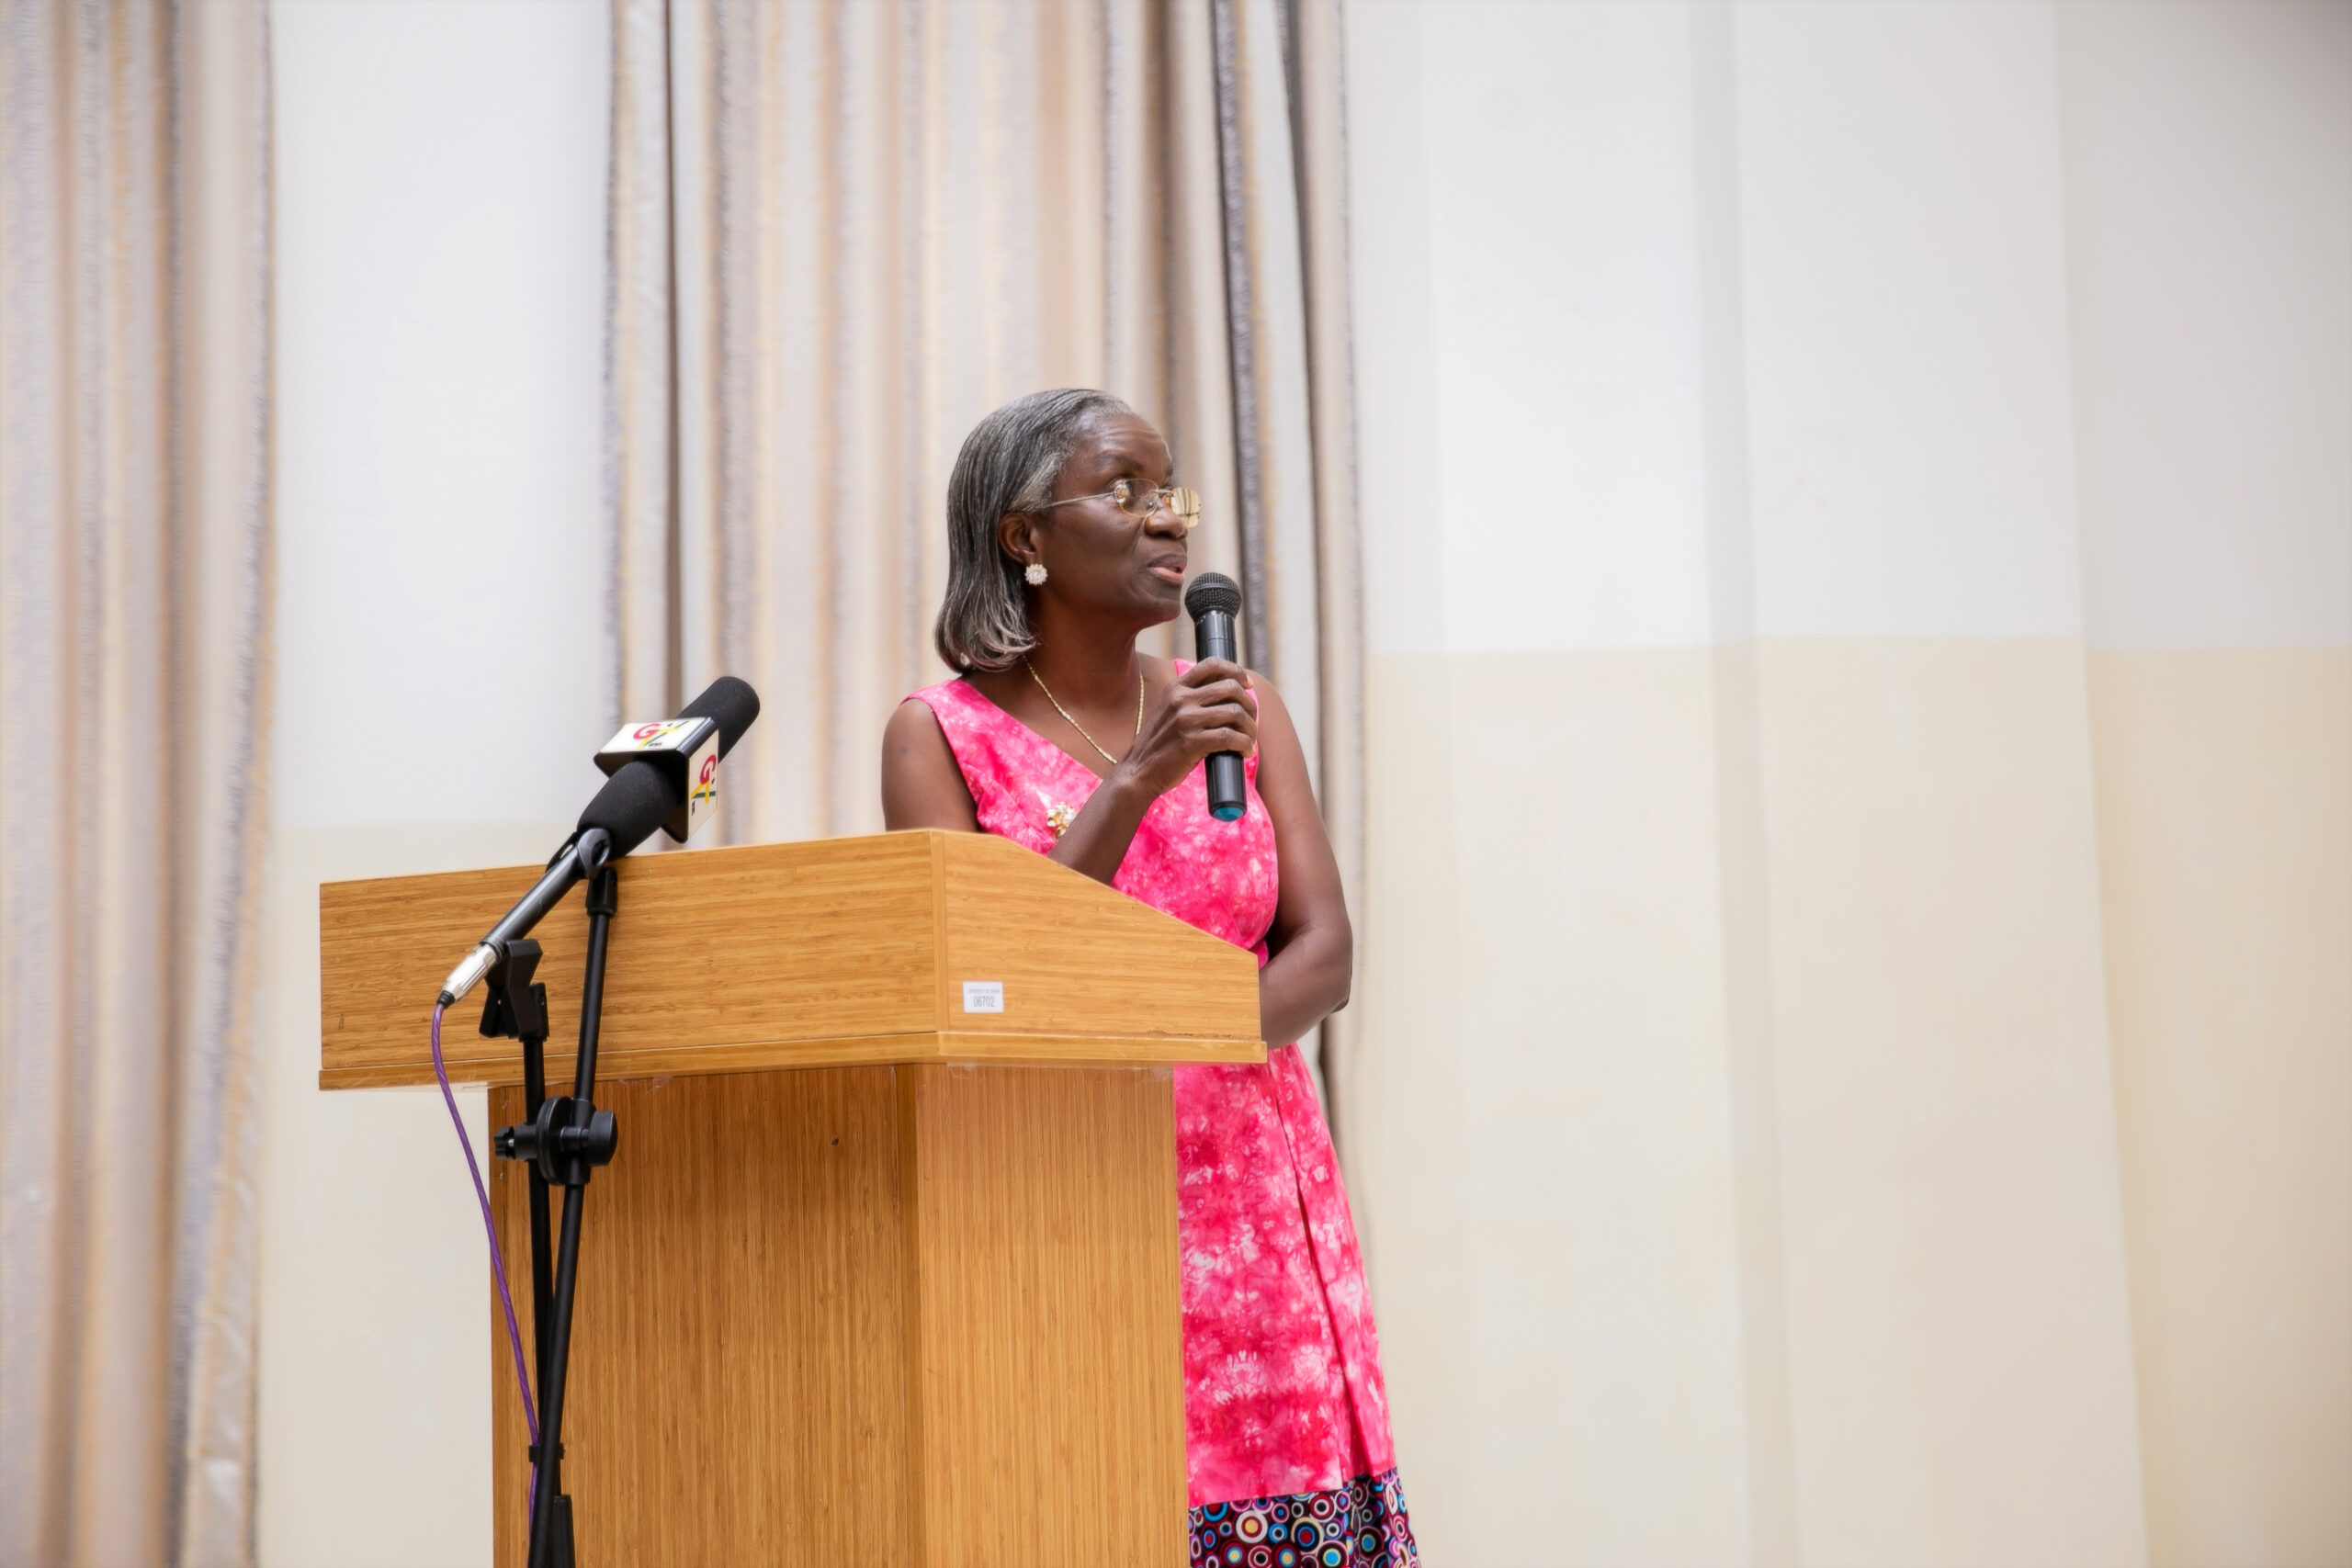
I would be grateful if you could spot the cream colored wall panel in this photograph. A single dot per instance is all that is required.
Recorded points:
(1750, 1056)
(2225, 835)
(1409, 1179)
(1958, 1328)
(1549, 1180)
(373, 1262)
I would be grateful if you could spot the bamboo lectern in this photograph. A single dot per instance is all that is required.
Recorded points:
(873, 1279)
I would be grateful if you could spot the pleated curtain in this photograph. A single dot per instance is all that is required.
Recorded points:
(845, 229)
(134, 583)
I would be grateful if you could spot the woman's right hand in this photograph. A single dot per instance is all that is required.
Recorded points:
(1209, 708)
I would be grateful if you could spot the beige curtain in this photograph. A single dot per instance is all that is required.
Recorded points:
(845, 230)
(134, 523)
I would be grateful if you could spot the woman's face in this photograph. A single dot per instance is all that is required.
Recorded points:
(1097, 558)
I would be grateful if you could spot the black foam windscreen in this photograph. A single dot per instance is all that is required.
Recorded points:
(639, 796)
(730, 701)
(1211, 591)
(635, 800)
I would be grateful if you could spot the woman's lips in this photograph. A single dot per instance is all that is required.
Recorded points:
(1168, 572)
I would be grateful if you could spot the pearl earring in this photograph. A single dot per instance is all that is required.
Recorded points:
(1037, 573)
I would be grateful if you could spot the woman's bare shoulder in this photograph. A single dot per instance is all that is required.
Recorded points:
(921, 785)
(914, 718)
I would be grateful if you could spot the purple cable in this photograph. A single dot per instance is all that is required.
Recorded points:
(497, 1258)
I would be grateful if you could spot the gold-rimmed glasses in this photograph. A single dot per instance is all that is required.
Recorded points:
(1140, 501)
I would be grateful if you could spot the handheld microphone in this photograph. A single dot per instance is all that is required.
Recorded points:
(663, 774)
(1214, 602)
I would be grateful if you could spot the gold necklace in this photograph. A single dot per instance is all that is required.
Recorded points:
(1073, 723)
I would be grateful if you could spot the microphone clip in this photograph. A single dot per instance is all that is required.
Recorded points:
(516, 1008)
(589, 849)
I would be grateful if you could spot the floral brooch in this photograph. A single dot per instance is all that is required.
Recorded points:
(1058, 817)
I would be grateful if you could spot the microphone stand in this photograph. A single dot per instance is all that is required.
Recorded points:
(563, 1139)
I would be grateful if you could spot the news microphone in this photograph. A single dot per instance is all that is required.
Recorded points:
(1214, 602)
(663, 774)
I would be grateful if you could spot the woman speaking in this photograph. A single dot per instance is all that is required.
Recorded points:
(1066, 539)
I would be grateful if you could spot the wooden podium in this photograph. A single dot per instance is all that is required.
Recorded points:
(873, 1279)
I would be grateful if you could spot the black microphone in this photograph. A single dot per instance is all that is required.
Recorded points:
(1215, 603)
(664, 773)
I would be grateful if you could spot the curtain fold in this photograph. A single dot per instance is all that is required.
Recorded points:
(881, 219)
(134, 594)
(1319, 103)
(1282, 140)
(640, 372)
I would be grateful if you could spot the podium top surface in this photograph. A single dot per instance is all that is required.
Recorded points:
(898, 947)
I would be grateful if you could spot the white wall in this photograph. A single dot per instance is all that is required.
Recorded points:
(2209, 172)
(1555, 432)
(440, 215)
(2209, 178)
(1903, 300)
(1794, 1090)
(1550, 1204)
(440, 297)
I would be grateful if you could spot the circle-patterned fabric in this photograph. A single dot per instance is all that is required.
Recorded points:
(1362, 1525)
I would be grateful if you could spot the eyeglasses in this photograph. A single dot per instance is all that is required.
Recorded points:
(1141, 502)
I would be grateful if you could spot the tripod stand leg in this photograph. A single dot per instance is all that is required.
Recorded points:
(548, 1503)
(534, 1092)
(583, 1140)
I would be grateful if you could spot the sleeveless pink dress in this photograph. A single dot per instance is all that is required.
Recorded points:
(1286, 1418)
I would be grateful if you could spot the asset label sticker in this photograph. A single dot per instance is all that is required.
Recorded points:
(983, 996)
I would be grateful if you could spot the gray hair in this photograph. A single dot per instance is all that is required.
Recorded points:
(1010, 462)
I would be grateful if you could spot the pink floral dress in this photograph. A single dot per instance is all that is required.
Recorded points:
(1285, 1415)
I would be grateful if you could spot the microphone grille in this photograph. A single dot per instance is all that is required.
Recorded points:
(1213, 591)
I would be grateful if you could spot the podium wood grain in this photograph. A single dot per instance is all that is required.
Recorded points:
(832, 951)
(1040, 1220)
(876, 1316)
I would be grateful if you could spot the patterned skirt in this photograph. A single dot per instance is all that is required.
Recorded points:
(1362, 1525)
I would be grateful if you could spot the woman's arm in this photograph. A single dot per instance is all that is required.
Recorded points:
(922, 785)
(1313, 945)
